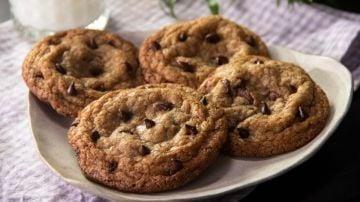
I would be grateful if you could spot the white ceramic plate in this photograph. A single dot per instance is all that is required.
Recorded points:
(227, 174)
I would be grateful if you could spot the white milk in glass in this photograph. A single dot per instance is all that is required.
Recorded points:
(36, 18)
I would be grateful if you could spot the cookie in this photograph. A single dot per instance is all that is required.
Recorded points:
(272, 107)
(147, 139)
(70, 69)
(187, 52)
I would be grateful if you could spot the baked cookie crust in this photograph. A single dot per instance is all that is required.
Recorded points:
(70, 69)
(148, 139)
(272, 107)
(187, 52)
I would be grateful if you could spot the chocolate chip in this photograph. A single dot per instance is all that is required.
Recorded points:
(71, 89)
(126, 131)
(95, 136)
(165, 106)
(221, 60)
(39, 75)
(190, 130)
(143, 150)
(155, 45)
(95, 71)
(302, 114)
(112, 165)
(258, 62)
(227, 87)
(100, 88)
(212, 38)
(204, 101)
(185, 66)
(245, 94)
(149, 123)
(125, 115)
(265, 109)
(92, 44)
(292, 89)
(176, 166)
(243, 133)
(60, 68)
(182, 37)
(75, 123)
(251, 41)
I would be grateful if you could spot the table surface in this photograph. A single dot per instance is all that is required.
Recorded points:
(333, 174)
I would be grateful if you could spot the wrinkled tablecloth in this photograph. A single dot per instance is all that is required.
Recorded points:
(312, 29)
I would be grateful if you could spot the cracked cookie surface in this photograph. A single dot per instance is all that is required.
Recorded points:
(272, 107)
(147, 139)
(187, 52)
(70, 69)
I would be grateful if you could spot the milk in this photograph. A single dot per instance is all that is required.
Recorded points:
(56, 14)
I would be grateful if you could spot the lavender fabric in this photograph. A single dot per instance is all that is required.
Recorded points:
(312, 29)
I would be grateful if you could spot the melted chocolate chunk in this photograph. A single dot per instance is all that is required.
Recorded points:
(204, 101)
(125, 115)
(221, 60)
(251, 41)
(190, 130)
(95, 71)
(182, 37)
(95, 136)
(143, 150)
(149, 123)
(75, 123)
(265, 109)
(243, 133)
(302, 114)
(71, 89)
(292, 89)
(155, 46)
(39, 75)
(212, 38)
(60, 68)
(185, 66)
(112, 165)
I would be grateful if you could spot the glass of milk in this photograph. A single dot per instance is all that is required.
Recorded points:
(37, 18)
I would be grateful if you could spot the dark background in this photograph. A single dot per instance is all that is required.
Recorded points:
(348, 5)
(332, 174)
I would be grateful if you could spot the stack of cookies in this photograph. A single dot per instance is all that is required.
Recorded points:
(155, 119)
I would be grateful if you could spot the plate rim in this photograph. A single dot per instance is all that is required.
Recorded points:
(226, 189)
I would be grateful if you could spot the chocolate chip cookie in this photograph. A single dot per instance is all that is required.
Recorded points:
(272, 107)
(70, 69)
(147, 139)
(187, 52)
